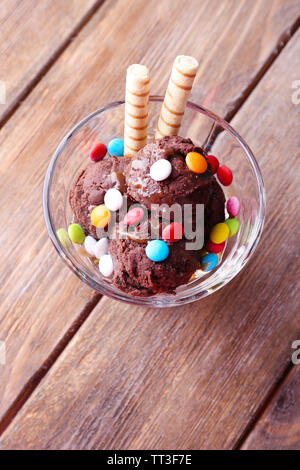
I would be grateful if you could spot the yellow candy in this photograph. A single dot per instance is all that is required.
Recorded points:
(219, 233)
(100, 216)
(196, 162)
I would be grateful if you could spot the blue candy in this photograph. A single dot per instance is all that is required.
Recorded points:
(157, 250)
(209, 262)
(116, 148)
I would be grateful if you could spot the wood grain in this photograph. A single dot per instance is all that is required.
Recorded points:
(38, 307)
(32, 33)
(193, 377)
(279, 426)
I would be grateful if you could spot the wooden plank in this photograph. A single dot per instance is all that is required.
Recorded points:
(32, 34)
(38, 307)
(195, 376)
(279, 426)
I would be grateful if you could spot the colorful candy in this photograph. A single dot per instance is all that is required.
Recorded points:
(113, 199)
(76, 233)
(98, 152)
(134, 216)
(196, 162)
(101, 247)
(214, 247)
(63, 237)
(225, 175)
(214, 163)
(173, 232)
(233, 225)
(116, 148)
(233, 206)
(89, 245)
(160, 170)
(100, 216)
(157, 250)
(209, 262)
(219, 233)
(106, 266)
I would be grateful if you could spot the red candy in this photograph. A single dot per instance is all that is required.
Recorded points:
(225, 175)
(214, 163)
(98, 152)
(173, 232)
(134, 216)
(214, 247)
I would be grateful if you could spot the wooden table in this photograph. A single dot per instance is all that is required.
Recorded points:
(85, 372)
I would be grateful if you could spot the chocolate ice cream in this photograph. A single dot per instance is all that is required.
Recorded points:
(137, 275)
(134, 272)
(180, 184)
(89, 189)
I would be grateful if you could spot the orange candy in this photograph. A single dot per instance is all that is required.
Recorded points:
(100, 216)
(196, 162)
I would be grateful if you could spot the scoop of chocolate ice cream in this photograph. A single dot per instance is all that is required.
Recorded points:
(89, 189)
(181, 182)
(137, 275)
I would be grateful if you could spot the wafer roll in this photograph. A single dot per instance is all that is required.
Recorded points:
(181, 81)
(136, 108)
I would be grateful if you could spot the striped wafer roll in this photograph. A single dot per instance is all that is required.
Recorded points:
(181, 81)
(136, 108)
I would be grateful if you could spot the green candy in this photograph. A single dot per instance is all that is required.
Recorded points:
(76, 234)
(63, 237)
(233, 225)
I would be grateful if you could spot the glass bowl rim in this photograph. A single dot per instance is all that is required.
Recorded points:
(165, 300)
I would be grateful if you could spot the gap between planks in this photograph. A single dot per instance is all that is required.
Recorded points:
(10, 111)
(262, 408)
(37, 377)
(34, 381)
(281, 43)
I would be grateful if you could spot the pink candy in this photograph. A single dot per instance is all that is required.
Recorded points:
(134, 216)
(233, 206)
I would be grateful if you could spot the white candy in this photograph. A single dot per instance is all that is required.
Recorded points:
(89, 245)
(106, 266)
(113, 199)
(101, 247)
(160, 170)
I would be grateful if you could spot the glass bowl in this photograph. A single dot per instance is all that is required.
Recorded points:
(206, 129)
